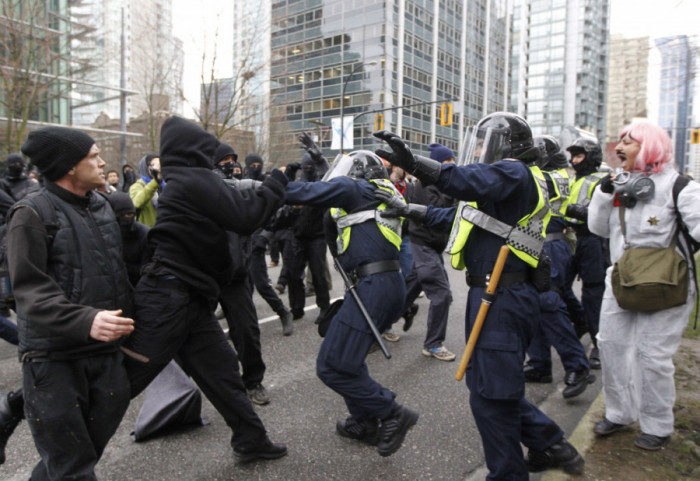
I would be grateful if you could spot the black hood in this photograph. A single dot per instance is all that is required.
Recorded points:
(186, 144)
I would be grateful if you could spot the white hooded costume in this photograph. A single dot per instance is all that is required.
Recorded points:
(637, 348)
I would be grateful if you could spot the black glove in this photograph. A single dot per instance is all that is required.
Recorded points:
(279, 176)
(397, 207)
(606, 184)
(291, 170)
(426, 170)
(155, 175)
(577, 211)
(401, 155)
(310, 146)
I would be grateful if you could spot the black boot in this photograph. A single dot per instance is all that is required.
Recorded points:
(287, 326)
(577, 382)
(559, 455)
(267, 450)
(393, 429)
(409, 315)
(535, 375)
(11, 413)
(366, 431)
(594, 358)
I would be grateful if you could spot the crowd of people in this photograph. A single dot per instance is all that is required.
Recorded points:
(113, 279)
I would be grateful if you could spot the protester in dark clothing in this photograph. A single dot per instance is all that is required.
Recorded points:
(191, 262)
(129, 177)
(134, 235)
(428, 273)
(254, 167)
(70, 326)
(16, 183)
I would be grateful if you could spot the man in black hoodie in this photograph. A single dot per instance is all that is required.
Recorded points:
(191, 260)
(16, 183)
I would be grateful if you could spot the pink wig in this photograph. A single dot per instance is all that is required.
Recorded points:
(656, 149)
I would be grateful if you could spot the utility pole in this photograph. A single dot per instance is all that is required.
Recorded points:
(122, 97)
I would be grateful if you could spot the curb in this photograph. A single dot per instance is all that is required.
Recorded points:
(582, 438)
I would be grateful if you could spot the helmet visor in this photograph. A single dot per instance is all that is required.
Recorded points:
(341, 166)
(484, 146)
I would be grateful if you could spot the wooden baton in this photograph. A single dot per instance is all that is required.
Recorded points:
(483, 310)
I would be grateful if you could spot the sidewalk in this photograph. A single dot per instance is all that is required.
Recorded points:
(616, 458)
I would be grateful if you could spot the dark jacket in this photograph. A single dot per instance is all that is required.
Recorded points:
(60, 285)
(20, 187)
(435, 238)
(136, 251)
(197, 207)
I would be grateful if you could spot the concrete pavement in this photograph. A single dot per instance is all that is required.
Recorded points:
(444, 445)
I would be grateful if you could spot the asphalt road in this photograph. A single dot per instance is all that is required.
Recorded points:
(444, 445)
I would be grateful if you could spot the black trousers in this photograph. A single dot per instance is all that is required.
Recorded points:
(73, 408)
(176, 321)
(297, 254)
(258, 272)
(236, 300)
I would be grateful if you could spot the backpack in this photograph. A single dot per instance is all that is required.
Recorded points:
(678, 185)
(47, 213)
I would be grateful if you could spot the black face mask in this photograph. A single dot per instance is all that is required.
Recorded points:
(237, 175)
(126, 224)
(254, 172)
(14, 170)
(226, 169)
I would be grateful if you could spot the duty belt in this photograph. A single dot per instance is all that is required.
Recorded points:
(507, 279)
(552, 236)
(373, 268)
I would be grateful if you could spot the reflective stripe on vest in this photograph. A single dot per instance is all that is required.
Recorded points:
(525, 239)
(389, 227)
(582, 191)
(560, 200)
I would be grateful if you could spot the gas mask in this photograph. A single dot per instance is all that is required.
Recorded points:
(632, 186)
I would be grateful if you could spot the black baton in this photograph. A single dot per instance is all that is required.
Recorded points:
(351, 287)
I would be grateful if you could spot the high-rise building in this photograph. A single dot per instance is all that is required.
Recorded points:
(559, 57)
(423, 68)
(627, 83)
(678, 61)
(153, 59)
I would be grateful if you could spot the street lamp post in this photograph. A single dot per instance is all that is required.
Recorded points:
(355, 69)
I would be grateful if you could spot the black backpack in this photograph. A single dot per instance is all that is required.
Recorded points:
(47, 213)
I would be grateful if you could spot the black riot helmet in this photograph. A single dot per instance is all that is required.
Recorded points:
(594, 155)
(551, 155)
(500, 135)
(360, 164)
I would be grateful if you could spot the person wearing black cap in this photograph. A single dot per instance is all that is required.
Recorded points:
(191, 261)
(254, 167)
(428, 273)
(74, 304)
(16, 183)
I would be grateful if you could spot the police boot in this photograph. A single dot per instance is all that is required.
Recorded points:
(409, 315)
(9, 419)
(393, 429)
(577, 382)
(366, 431)
(560, 455)
(535, 375)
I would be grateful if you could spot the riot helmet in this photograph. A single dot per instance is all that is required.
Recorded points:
(500, 135)
(360, 164)
(551, 155)
(593, 155)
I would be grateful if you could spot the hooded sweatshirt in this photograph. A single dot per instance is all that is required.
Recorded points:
(197, 207)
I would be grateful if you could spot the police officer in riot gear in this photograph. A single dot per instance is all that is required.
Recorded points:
(589, 260)
(369, 256)
(500, 196)
(555, 326)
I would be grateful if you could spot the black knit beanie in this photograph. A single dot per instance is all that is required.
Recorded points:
(15, 159)
(224, 150)
(253, 158)
(55, 150)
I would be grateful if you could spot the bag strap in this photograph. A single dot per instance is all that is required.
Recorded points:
(678, 185)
